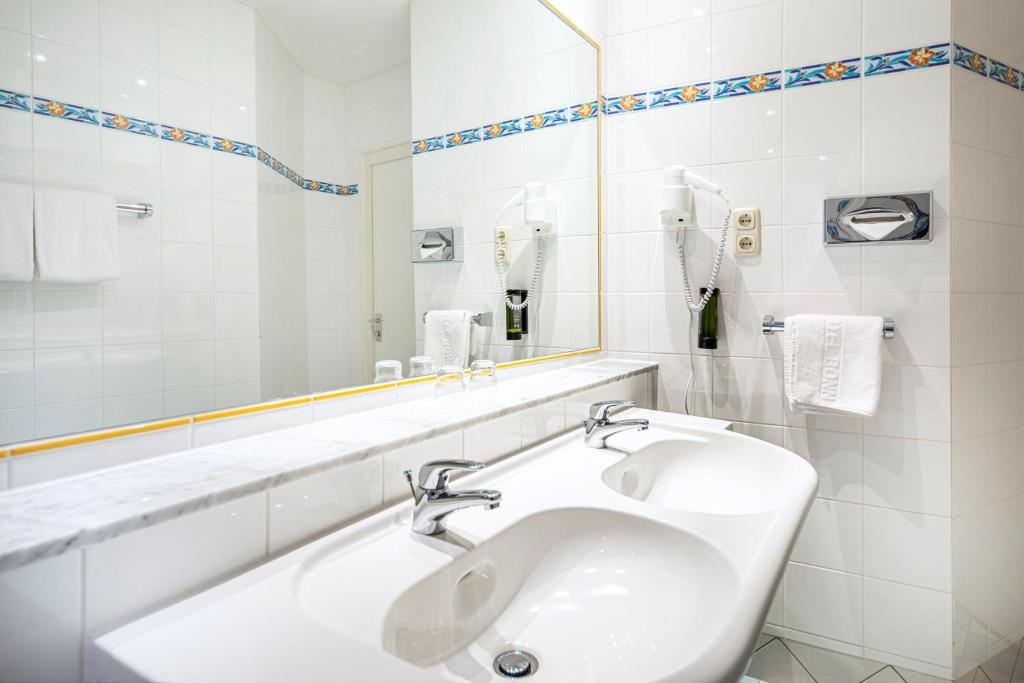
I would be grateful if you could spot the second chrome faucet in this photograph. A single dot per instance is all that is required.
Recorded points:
(599, 426)
(434, 501)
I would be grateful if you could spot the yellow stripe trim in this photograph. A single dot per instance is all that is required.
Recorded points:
(106, 435)
(251, 410)
(354, 392)
(80, 439)
(557, 356)
(416, 380)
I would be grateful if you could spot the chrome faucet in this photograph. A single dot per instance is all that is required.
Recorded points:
(599, 427)
(435, 501)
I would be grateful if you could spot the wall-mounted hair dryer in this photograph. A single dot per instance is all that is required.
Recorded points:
(539, 213)
(678, 212)
(677, 196)
(541, 216)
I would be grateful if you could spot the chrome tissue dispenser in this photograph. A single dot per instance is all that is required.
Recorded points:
(875, 219)
(436, 245)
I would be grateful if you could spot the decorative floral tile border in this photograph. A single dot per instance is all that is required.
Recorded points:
(669, 97)
(909, 59)
(794, 77)
(987, 67)
(582, 111)
(748, 85)
(829, 72)
(10, 99)
(966, 58)
(906, 60)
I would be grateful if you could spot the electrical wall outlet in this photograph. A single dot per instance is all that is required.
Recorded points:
(748, 244)
(502, 254)
(746, 219)
(746, 225)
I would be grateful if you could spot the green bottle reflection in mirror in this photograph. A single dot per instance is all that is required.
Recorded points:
(517, 323)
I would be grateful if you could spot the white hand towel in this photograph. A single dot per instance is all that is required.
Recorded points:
(16, 262)
(833, 364)
(447, 337)
(76, 236)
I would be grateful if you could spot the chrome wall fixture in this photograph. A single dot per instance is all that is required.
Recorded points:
(481, 319)
(438, 245)
(874, 219)
(140, 210)
(770, 327)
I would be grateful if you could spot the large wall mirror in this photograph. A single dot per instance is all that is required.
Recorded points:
(295, 240)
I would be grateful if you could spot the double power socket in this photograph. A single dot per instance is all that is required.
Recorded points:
(746, 226)
(502, 255)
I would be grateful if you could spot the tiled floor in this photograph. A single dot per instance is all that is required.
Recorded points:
(784, 661)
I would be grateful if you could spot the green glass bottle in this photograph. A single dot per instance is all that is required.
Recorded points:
(516, 321)
(707, 328)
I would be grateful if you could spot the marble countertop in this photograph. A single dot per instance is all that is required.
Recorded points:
(47, 520)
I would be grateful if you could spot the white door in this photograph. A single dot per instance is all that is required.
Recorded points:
(392, 298)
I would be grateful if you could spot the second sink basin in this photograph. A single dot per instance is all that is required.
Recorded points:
(576, 588)
(709, 472)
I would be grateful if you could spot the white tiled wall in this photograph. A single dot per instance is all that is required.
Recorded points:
(282, 353)
(342, 123)
(528, 62)
(987, 305)
(144, 346)
(877, 543)
(241, 287)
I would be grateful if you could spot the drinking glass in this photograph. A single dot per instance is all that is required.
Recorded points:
(450, 381)
(483, 373)
(387, 371)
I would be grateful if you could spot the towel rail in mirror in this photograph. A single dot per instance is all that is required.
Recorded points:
(140, 210)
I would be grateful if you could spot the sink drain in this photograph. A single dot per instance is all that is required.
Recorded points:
(516, 664)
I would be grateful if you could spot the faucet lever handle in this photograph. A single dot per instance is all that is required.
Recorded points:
(599, 411)
(434, 475)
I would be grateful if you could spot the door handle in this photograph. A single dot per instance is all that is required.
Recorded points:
(377, 325)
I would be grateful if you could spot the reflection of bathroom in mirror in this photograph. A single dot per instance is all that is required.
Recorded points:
(293, 237)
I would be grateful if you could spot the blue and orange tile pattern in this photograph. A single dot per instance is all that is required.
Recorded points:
(829, 72)
(966, 58)
(670, 97)
(497, 130)
(129, 124)
(10, 99)
(987, 67)
(909, 59)
(748, 85)
(583, 111)
(906, 60)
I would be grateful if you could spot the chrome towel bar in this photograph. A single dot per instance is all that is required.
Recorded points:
(481, 319)
(769, 327)
(140, 210)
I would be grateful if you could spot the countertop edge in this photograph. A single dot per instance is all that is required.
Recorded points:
(49, 536)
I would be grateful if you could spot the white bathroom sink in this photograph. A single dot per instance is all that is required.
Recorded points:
(710, 472)
(582, 589)
(600, 578)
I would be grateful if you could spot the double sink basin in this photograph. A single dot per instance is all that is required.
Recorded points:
(654, 559)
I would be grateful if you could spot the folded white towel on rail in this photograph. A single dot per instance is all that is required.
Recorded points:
(446, 337)
(833, 364)
(16, 254)
(76, 236)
